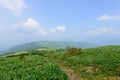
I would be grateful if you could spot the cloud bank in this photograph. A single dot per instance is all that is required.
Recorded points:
(103, 31)
(106, 17)
(58, 28)
(28, 27)
(33, 25)
(14, 6)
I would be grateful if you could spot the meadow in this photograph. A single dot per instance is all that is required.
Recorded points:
(100, 63)
(30, 68)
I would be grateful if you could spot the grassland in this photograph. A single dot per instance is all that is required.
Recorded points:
(102, 63)
(30, 68)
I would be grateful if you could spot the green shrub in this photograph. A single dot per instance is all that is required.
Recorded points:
(73, 51)
(21, 56)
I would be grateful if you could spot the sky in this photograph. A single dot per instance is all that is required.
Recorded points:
(93, 21)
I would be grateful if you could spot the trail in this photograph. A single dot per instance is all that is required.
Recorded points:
(70, 73)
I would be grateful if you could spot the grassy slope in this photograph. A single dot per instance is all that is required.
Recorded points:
(91, 64)
(94, 63)
(30, 68)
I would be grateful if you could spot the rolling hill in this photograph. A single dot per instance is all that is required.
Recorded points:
(100, 63)
(48, 44)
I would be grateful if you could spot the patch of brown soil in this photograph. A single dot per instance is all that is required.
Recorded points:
(70, 73)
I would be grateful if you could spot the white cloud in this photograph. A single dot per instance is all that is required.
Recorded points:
(13, 5)
(61, 28)
(58, 28)
(31, 23)
(28, 27)
(102, 30)
(34, 26)
(106, 17)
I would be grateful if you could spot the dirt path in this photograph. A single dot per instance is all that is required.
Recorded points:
(70, 73)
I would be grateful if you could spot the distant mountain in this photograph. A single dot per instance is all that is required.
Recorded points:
(48, 44)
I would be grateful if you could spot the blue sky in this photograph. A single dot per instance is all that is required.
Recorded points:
(94, 21)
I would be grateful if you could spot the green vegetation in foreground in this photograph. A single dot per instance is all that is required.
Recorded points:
(33, 67)
(102, 63)
(93, 63)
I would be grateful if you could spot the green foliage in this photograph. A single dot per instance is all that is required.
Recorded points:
(34, 52)
(93, 63)
(30, 68)
(22, 56)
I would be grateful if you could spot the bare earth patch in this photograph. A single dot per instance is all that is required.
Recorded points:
(70, 73)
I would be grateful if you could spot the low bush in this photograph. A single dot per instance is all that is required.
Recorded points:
(73, 51)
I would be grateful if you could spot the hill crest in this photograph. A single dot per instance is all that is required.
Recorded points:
(48, 44)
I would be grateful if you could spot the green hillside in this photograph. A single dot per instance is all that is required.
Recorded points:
(101, 63)
(48, 44)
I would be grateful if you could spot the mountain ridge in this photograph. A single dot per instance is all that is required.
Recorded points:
(48, 44)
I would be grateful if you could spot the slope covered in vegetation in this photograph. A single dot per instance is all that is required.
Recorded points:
(93, 63)
(30, 68)
(102, 63)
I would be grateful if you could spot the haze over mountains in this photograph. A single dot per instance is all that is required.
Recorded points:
(48, 44)
(24, 21)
